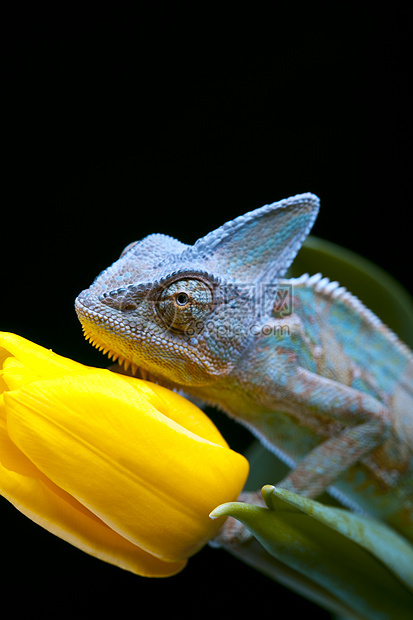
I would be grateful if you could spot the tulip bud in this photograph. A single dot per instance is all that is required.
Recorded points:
(122, 468)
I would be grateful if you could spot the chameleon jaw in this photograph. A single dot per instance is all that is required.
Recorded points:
(122, 365)
(129, 366)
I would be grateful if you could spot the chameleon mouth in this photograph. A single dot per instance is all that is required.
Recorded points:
(121, 365)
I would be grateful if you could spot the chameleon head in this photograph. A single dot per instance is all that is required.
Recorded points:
(172, 328)
(182, 313)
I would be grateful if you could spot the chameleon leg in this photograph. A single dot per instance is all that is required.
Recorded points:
(325, 463)
(363, 426)
(365, 423)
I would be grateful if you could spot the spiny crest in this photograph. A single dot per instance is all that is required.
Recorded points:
(333, 289)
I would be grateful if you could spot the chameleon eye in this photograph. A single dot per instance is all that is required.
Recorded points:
(184, 303)
(182, 299)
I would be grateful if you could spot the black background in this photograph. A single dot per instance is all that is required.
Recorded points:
(119, 124)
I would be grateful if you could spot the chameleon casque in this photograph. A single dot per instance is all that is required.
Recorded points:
(325, 385)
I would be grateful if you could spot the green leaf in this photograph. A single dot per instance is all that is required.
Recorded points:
(359, 561)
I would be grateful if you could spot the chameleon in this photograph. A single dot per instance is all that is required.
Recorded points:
(301, 362)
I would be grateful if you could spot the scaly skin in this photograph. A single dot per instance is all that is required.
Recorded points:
(302, 363)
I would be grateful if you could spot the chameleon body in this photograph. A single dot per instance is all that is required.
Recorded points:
(301, 362)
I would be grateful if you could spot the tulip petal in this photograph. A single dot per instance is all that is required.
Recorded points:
(24, 361)
(41, 361)
(79, 430)
(15, 374)
(177, 408)
(33, 494)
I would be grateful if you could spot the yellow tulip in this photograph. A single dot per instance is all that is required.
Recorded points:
(123, 469)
